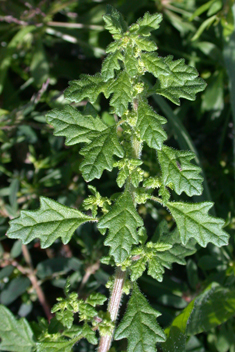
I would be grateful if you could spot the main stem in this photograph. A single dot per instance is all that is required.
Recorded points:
(113, 307)
(120, 276)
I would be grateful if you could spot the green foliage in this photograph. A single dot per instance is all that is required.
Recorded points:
(122, 137)
(16, 335)
(193, 221)
(179, 172)
(51, 221)
(122, 221)
(139, 325)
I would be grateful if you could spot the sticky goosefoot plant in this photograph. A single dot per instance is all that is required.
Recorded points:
(119, 145)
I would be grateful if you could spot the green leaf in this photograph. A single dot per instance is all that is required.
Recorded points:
(111, 64)
(155, 269)
(115, 23)
(149, 125)
(122, 89)
(131, 63)
(155, 64)
(148, 23)
(16, 335)
(51, 221)
(139, 325)
(211, 308)
(137, 269)
(75, 127)
(96, 299)
(87, 87)
(122, 221)
(89, 334)
(182, 82)
(193, 221)
(59, 345)
(208, 310)
(99, 154)
(145, 44)
(177, 169)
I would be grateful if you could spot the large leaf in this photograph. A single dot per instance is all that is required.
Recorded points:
(99, 154)
(70, 123)
(209, 309)
(122, 221)
(139, 325)
(51, 221)
(182, 82)
(111, 64)
(87, 87)
(122, 89)
(16, 335)
(177, 169)
(149, 124)
(193, 221)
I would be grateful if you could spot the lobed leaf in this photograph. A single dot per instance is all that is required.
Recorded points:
(74, 126)
(155, 64)
(99, 154)
(111, 64)
(148, 23)
(51, 221)
(122, 90)
(122, 221)
(177, 169)
(115, 23)
(193, 221)
(182, 82)
(139, 325)
(87, 87)
(145, 44)
(149, 125)
(16, 335)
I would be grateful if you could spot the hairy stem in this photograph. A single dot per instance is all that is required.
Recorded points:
(113, 308)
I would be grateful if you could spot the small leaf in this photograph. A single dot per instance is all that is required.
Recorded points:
(111, 64)
(155, 64)
(99, 154)
(193, 221)
(122, 93)
(177, 169)
(149, 124)
(139, 325)
(122, 221)
(16, 335)
(96, 299)
(89, 334)
(137, 269)
(115, 23)
(149, 23)
(88, 87)
(70, 123)
(51, 221)
(155, 269)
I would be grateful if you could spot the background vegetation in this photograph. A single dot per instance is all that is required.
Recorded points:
(43, 45)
